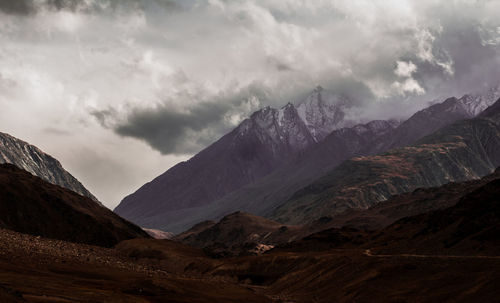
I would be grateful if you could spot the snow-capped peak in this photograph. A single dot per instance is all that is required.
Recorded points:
(322, 112)
(474, 104)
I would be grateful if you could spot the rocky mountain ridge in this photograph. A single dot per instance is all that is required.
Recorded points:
(31, 159)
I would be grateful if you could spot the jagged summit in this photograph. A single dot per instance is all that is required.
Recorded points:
(282, 129)
(475, 103)
(323, 111)
(296, 125)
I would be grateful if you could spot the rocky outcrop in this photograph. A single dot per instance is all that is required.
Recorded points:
(237, 234)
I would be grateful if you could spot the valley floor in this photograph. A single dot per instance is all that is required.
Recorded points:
(34, 269)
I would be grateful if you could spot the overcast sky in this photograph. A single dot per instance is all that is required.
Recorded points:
(121, 90)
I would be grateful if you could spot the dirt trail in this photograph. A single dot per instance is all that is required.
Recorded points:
(368, 253)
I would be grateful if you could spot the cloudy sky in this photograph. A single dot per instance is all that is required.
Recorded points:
(121, 90)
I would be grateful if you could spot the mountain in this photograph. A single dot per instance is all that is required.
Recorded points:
(33, 206)
(465, 150)
(35, 161)
(264, 195)
(255, 148)
(436, 116)
(322, 146)
(261, 196)
(360, 140)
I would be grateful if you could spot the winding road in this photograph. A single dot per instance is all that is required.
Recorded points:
(369, 253)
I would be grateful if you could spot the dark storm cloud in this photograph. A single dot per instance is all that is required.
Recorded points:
(29, 7)
(171, 130)
(17, 7)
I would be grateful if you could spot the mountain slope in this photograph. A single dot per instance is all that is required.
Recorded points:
(419, 201)
(462, 151)
(249, 152)
(261, 196)
(469, 227)
(31, 205)
(35, 161)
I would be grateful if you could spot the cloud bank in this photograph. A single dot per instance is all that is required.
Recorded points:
(165, 78)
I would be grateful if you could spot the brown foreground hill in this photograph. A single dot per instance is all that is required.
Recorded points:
(31, 205)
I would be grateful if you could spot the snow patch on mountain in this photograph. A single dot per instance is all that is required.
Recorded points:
(323, 112)
(298, 126)
(474, 104)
